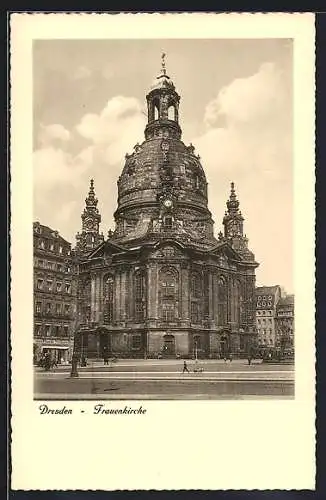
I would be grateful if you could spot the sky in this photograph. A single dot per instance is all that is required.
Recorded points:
(89, 110)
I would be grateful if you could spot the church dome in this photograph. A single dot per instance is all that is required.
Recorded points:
(163, 178)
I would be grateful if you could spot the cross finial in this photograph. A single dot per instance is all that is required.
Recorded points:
(163, 63)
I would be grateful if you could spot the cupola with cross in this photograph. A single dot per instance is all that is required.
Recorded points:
(163, 107)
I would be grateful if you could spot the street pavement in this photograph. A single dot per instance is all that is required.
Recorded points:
(163, 379)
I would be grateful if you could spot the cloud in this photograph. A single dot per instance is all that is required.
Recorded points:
(81, 73)
(246, 100)
(115, 129)
(248, 140)
(55, 133)
(60, 177)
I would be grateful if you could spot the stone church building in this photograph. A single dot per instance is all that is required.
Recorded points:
(161, 284)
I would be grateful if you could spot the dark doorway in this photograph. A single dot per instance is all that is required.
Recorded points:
(225, 344)
(105, 345)
(169, 346)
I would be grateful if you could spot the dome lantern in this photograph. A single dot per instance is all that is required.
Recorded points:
(163, 107)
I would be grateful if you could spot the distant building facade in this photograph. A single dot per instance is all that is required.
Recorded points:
(267, 298)
(161, 283)
(54, 295)
(285, 322)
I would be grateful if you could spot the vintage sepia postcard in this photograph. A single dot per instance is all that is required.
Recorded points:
(162, 228)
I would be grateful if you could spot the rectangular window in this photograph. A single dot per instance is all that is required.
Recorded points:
(139, 310)
(168, 222)
(41, 244)
(39, 284)
(67, 309)
(41, 263)
(38, 307)
(168, 312)
(48, 307)
(60, 249)
(51, 247)
(56, 331)
(67, 287)
(47, 330)
(65, 330)
(49, 284)
(59, 287)
(136, 342)
(58, 308)
(168, 290)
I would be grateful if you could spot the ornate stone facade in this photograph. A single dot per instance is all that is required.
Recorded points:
(162, 284)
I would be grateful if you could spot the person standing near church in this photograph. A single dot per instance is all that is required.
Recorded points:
(185, 367)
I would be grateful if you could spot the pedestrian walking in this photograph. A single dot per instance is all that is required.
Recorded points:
(249, 360)
(185, 367)
(230, 357)
(106, 360)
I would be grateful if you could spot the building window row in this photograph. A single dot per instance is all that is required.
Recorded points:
(51, 330)
(53, 286)
(264, 313)
(264, 303)
(264, 321)
(53, 308)
(53, 247)
(53, 266)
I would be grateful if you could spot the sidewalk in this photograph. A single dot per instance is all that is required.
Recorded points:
(97, 363)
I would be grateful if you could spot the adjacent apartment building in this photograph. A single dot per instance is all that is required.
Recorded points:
(285, 322)
(267, 298)
(54, 295)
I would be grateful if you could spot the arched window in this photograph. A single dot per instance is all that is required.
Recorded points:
(139, 297)
(196, 285)
(222, 300)
(196, 297)
(108, 300)
(168, 294)
(156, 111)
(171, 112)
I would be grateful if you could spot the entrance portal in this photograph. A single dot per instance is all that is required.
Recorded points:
(225, 344)
(169, 346)
(105, 345)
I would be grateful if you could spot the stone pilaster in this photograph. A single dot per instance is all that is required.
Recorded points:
(185, 292)
(152, 292)
(93, 297)
(117, 304)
